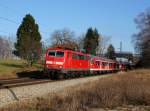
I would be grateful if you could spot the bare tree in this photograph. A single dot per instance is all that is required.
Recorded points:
(63, 38)
(5, 48)
(80, 41)
(104, 41)
(142, 38)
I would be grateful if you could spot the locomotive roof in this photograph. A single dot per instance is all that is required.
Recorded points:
(60, 49)
(93, 57)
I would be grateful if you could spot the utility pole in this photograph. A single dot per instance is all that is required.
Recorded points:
(121, 46)
(120, 50)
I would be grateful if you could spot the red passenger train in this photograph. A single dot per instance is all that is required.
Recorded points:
(60, 63)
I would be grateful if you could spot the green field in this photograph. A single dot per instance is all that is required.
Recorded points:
(9, 68)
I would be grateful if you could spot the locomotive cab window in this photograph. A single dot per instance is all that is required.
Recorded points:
(57, 54)
(60, 54)
(51, 53)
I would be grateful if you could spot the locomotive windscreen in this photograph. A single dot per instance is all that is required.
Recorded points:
(59, 54)
(56, 53)
(51, 53)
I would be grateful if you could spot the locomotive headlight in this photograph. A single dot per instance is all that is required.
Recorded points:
(49, 62)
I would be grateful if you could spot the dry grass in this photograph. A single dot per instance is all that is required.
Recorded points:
(132, 88)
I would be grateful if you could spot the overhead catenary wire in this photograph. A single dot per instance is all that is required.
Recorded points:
(9, 20)
(14, 22)
(16, 12)
(10, 9)
(3, 31)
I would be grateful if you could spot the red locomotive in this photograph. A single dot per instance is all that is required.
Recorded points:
(63, 62)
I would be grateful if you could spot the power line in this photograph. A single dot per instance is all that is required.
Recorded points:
(10, 9)
(14, 22)
(3, 31)
(6, 19)
(15, 11)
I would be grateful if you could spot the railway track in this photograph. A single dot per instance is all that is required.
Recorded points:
(17, 82)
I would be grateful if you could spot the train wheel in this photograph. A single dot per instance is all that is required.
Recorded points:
(78, 74)
(52, 75)
(60, 76)
(65, 76)
(85, 73)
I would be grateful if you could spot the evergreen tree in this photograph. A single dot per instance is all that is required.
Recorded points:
(111, 52)
(91, 41)
(28, 40)
(97, 38)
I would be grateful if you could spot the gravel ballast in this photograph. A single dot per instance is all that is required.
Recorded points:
(11, 95)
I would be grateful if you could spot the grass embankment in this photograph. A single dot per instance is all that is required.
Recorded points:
(131, 88)
(9, 68)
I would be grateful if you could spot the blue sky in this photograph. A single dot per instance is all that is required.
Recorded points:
(113, 18)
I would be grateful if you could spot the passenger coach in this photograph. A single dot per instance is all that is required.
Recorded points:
(102, 65)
